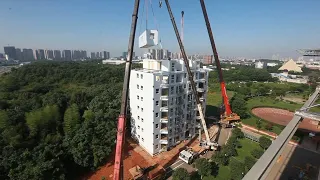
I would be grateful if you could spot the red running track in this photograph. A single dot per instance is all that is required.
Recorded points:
(283, 117)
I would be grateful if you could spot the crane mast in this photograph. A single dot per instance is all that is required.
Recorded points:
(118, 164)
(190, 74)
(228, 115)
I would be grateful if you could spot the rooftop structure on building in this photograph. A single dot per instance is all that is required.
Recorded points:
(163, 109)
(290, 66)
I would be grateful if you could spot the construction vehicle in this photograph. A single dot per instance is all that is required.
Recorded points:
(227, 116)
(304, 172)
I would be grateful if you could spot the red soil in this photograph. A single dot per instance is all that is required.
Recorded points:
(135, 155)
(283, 117)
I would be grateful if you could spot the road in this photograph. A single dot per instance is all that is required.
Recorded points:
(291, 160)
(222, 138)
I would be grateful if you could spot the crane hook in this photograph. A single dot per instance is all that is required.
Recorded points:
(160, 3)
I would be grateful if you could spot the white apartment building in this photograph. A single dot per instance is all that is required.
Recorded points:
(163, 109)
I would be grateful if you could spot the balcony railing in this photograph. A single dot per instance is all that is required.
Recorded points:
(200, 89)
(164, 131)
(164, 120)
(163, 141)
(164, 109)
(164, 97)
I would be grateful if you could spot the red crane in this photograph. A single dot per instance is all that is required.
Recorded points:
(228, 116)
(118, 164)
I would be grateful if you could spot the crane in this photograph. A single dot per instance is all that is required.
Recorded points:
(118, 164)
(207, 143)
(227, 116)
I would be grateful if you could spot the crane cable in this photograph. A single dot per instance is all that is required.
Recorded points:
(156, 22)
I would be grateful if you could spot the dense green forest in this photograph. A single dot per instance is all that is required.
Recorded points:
(58, 119)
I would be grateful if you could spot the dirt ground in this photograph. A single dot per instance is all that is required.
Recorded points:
(283, 117)
(136, 155)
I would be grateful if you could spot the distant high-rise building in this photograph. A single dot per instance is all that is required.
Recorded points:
(124, 55)
(10, 51)
(93, 55)
(57, 55)
(49, 54)
(207, 59)
(27, 54)
(67, 55)
(19, 54)
(40, 54)
(76, 55)
(1, 56)
(83, 54)
(106, 55)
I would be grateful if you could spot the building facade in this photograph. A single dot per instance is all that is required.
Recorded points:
(163, 109)
(10, 51)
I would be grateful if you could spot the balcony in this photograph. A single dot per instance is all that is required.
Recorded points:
(164, 109)
(164, 131)
(200, 89)
(164, 120)
(164, 147)
(164, 139)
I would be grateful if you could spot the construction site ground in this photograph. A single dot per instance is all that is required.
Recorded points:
(283, 117)
(135, 155)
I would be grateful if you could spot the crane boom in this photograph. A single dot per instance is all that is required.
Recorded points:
(118, 164)
(228, 111)
(190, 74)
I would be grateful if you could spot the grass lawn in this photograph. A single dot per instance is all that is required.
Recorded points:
(245, 150)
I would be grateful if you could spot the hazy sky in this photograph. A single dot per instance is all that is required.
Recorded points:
(247, 28)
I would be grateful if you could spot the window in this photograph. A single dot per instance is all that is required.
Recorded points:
(185, 75)
(138, 107)
(157, 125)
(142, 129)
(137, 86)
(157, 114)
(171, 110)
(141, 98)
(138, 127)
(138, 97)
(141, 109)
(137, 75)
(141, 87)
(157, 91)
(142, 139)
(157, 103)
(157, 78)
(141, 119)
(138, 117)
(157, 146)
(172, 77)
(141, 76)
(184, 85)
(151, 35)
(157, 136)
(139, 136)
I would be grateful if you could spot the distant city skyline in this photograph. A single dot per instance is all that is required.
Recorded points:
(251, 29)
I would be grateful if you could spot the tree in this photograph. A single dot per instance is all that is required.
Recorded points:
(204, 167)
(71, 119)
(220, 158)
(237, 169)
(257, 153)
(238, 105)
(230, 150)
(180, 174)
(249, 162)
(258, 123)
(269, 126)
(237, 133)
(264, 142)
(4, 119)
